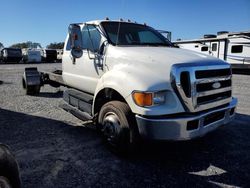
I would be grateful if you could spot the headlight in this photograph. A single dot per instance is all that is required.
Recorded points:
(159, 98)
(146, 99)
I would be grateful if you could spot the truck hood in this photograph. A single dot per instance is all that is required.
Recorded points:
(153, 64)
(152, 56)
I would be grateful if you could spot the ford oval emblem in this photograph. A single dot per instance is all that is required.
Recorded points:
(216, 85)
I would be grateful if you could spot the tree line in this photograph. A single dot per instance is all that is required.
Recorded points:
(29, 44)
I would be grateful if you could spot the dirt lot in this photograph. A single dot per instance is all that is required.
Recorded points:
(54, 149)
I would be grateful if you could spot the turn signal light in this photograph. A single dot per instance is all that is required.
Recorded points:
(143, 99)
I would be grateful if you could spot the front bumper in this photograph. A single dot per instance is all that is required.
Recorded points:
(185, 127)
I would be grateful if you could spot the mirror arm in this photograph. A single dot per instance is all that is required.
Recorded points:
(102, 48)
(89, 55)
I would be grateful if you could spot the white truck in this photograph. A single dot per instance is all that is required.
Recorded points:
(132, 83)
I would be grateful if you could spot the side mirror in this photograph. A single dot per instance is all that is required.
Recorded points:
(75, 37)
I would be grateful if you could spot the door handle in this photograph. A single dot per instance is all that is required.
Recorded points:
(73, 59)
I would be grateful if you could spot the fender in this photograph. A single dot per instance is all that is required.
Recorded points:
(124, 83)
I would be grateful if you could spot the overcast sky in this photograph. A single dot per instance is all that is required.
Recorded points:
(46, 21)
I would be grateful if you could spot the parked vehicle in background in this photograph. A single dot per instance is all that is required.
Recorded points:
(31, 55)
(59, 55)
(11, 55)
(133, 83)
(49, 55)
(231, 47)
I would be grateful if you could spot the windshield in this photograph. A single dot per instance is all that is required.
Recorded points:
(120, 33)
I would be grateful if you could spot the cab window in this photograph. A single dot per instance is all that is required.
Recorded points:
(91, 38)
(68, 45)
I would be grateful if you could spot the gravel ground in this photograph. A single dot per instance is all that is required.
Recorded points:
(54, 149)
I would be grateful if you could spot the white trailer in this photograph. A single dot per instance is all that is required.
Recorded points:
(231, 47)
(31, 55)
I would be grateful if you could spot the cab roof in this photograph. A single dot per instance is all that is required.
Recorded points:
(98, 22)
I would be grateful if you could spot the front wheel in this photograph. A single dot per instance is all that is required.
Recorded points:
(118, 126)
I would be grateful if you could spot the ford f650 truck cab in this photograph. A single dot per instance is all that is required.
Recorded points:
(133, 83)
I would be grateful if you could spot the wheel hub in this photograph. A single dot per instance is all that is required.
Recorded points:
(111, 126)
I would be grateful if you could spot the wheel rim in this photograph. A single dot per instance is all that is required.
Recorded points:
(111, 127)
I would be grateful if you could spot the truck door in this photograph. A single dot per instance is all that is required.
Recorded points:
(83, 73)
(215, 49)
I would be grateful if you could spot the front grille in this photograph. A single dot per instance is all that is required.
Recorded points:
(213, 98)
(214, 73)
(202, 86)
(209, 86)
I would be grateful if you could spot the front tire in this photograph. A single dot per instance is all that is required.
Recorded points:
(118, 126)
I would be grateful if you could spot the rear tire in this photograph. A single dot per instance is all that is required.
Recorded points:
(30, 90)
(119, 127)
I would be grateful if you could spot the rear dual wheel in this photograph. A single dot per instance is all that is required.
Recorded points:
(30, 90)
(119, 127)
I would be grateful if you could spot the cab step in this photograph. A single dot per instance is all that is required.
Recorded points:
(84, 116)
